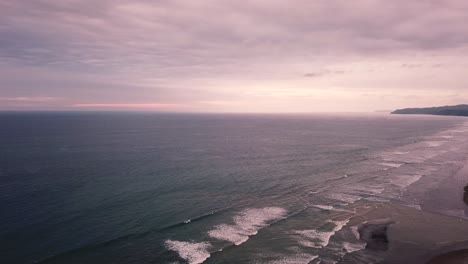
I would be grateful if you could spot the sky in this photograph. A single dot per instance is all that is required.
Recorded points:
(232, 55)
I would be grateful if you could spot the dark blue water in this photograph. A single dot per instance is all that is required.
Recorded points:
(134, 187)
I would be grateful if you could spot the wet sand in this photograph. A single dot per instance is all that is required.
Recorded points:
(454, 257)
(450, 198)
(438, 233)
(414, 236)
(400, 234)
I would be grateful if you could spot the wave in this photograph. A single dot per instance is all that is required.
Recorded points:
(324, 207)
(364, 189)
(317, 238)
(394, 171)
(392, 164)
(193, 253)
(415, 206)
(355, 231)
(188, 221)
(404, 181)
(435, 143)
(295, 259)
(343, 197)
(353, 247)
(246, 223)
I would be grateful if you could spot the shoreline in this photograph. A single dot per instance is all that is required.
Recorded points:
(419, 216)
(419, 236)
(411, 235)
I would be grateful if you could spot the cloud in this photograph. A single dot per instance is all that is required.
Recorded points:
(324, 72)
(183, 52)
(313, 74)
(122, 34)
(126, 105)
(411, 65)
(29, 99)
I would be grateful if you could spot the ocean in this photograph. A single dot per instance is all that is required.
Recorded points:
(103, 187)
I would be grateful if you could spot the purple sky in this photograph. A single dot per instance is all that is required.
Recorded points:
(232, 56)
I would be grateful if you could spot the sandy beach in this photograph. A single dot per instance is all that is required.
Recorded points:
(417, 236)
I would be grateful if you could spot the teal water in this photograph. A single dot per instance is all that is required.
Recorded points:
(174, 188)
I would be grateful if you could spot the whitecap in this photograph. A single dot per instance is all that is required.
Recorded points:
(339, 224)
(342, 197)
(457, 131)
(415, 206)
(192, 252)
(331, 208)
(319, 239)
(434, 143)
(392, 164)
(404, 181)
(365, 189)
(231, 233)
(314, 238)
(355, 231)
(324, 207)
(400, 152)
(296, 259)
(353, 247)
(447, 136)
(377, 199)
(246, 223)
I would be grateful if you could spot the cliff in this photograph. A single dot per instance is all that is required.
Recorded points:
(455, 110)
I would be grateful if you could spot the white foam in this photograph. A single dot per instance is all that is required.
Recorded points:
(415, 206)
(434, 143)
(351, 247)
(355, 231)
(331, 208)
(343, 197)
(377, 199)
(365, 189)
(447, 136)
(231, 233)
(339, 225)
(457, 131)
(193, 253)
(458, 213)
(296, 259)
(392, 164)
(324, 207)
(404, 181)
(327, 261)
(319, 239)
(344, 210)
(246, 223)
(314, 238)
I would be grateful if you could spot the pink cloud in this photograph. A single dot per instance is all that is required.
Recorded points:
(127, 105)
(28, 99)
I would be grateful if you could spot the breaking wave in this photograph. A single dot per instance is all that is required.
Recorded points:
(246, 223)
(317, 238)
(193, 253)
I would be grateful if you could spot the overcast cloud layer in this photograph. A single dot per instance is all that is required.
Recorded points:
(232, 56)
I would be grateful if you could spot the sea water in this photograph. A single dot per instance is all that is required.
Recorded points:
(208, 188)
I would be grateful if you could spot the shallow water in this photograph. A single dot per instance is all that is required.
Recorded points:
(171, 188)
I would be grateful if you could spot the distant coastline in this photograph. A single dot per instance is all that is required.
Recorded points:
(455, 110)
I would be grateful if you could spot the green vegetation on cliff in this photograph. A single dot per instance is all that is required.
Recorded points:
(456, 110)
